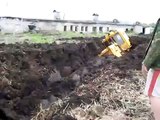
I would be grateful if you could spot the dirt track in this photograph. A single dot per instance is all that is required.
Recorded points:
(34, 75)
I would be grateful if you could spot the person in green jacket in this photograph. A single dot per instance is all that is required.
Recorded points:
(151, 71)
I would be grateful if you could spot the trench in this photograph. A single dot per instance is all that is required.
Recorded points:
(42, 73)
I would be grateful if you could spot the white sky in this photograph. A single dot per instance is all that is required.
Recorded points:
(145, 11)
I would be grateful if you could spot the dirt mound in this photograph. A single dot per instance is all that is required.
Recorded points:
(133, 58)
(30, 73)
(34, 76)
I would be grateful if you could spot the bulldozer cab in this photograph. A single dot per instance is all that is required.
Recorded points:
(122, 40)
(118, 39)
(116, 43)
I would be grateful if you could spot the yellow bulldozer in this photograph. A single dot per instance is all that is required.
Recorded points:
(116, 43)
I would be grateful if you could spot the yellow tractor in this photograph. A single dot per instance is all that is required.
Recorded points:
(116, 43)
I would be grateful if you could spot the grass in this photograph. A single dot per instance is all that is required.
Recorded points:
(42, 38)
(39, 38)
(70, 34)
(49, 37)
(77, 34)
(131, 33)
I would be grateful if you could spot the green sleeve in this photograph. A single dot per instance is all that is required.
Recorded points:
(153, 54)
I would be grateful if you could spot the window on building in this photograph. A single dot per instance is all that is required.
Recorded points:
(65, 28)
(107, 28)
(71, 28)
(76, 28)
(86, 28)
(31, 27)
(100, 29)
(94, 29)
(82, 28)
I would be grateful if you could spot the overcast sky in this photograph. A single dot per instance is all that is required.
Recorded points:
(146, 11)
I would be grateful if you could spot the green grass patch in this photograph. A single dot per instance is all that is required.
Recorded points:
(39, 38)
(46, 38)
(130, 33)
(77, 34)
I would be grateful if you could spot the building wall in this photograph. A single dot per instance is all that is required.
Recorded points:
(144, 30)
(20, 26)
(148, 30)
(13, 26)
(45, 26)
(121, 28)
(91, 28)
(138, 29)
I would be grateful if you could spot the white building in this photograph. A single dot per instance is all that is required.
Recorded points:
(140, 29)
(20, 25)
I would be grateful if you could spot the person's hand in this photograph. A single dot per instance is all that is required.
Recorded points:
(144, 71)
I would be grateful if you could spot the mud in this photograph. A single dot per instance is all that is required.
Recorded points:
(43, 73)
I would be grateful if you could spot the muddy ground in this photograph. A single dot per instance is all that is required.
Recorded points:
(69, 81)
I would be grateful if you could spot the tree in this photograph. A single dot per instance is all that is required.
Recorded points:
(54, 11)
(152, 24)
(115, 21)
(138, 23)
(95, 14)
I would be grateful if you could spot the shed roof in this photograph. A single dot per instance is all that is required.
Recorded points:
(68, 21)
